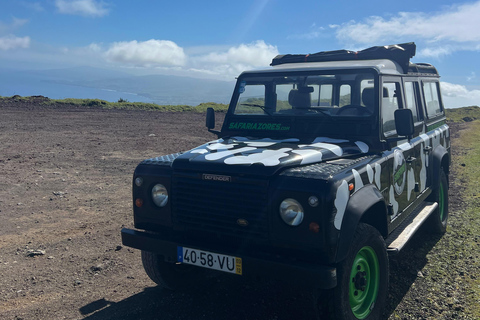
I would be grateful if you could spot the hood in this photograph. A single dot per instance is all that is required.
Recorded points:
(243, 155)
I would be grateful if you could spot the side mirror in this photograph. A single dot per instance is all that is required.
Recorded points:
(404, 122)
(210, 121)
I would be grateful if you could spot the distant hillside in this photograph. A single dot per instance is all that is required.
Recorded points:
(162, 89)
(465, 114)
(111, 85)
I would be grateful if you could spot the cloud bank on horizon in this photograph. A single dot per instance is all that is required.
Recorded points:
(453, 29)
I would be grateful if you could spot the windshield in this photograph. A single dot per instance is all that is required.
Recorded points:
(333, 95)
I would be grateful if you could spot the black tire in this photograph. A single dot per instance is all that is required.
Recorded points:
(362, 276)
(167, 275)
(437, 222)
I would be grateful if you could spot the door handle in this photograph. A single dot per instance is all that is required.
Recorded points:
(427, 149)
(410, 159)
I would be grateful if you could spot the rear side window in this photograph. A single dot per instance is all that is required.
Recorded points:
(432, 99)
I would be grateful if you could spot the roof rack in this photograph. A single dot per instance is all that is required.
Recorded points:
(400, 53)
(424, 68)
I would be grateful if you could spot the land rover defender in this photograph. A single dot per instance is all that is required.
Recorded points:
(325, 165)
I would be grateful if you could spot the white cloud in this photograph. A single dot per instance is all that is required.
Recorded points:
(15, 24)
(92, 8)
(456, 28)
(149, 53)
(458, 23)
(456, 95)
(12, 42)
(233, 61)
(437, 52)
(256, 54)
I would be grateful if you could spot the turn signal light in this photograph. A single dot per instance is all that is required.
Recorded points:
(351, 186)
(314, 227)
(139, 202)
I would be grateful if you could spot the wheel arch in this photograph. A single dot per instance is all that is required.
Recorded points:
(367, 205)
(441, 159)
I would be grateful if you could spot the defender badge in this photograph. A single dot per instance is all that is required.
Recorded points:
(242, 222)
(216, 177)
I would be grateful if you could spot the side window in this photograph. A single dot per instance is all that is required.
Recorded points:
(345, 95)
(326, 94)
(390, 103)
(411, 101)
(432, 99)
(251, 95)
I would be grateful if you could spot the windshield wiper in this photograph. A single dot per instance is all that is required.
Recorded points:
(257, 106)
(319, 110)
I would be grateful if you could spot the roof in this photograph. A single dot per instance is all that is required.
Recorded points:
(382, 66)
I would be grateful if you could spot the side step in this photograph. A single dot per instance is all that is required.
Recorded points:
(399, 238)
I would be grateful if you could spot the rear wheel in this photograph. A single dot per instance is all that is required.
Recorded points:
(437, 223)
(169, 275)
(362, 280)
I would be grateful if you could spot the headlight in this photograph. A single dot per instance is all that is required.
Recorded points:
(160, 195)
(291, 212)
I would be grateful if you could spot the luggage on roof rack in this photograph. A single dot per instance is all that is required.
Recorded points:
(400, 53)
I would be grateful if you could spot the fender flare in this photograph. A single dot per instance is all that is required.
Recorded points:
(439, 154)
(360, 203)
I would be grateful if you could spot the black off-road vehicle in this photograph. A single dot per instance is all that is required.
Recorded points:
(325, 164)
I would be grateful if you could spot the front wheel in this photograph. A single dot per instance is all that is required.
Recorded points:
(167, 275)
(437, 222)
(362, 279)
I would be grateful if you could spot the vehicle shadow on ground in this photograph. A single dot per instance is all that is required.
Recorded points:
(223, 298)
(406, 266)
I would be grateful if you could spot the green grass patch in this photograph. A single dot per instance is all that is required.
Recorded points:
(465, 239)
(122, 104)
(465, 114)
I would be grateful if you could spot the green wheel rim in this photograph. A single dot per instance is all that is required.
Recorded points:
(441, 202)
(364, 282)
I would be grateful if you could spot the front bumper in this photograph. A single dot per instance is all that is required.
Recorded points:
(297, 273)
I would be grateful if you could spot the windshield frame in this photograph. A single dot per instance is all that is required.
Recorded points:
(299, 73)
(291, 126)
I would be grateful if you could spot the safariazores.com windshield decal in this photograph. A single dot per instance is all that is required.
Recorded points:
(271, 153)
(258, 126)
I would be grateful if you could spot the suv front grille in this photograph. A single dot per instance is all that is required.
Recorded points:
(215, 207)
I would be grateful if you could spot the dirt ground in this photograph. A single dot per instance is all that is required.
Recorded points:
(65, 194)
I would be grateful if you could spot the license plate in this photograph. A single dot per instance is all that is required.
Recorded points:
(209, 260)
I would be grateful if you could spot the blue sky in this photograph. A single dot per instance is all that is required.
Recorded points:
(219, 39)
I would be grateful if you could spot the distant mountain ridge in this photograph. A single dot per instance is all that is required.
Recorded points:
(110, 85)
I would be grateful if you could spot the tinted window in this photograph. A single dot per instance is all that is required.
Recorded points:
(326, 94)
(345, 95)
(432, 99)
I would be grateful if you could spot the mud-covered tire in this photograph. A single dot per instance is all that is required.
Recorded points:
(167, 275)
(437, 222)
(362, 277)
